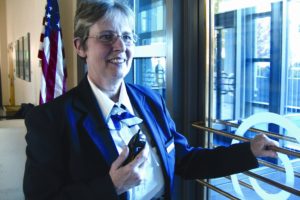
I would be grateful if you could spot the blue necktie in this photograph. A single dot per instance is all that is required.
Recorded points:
(120, 115)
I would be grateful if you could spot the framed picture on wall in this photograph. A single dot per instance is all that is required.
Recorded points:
(21, 57)
(26, 57)
(17, 59)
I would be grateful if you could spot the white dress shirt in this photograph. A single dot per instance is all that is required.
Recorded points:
(152, 185)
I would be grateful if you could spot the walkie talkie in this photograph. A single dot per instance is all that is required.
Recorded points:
(136, 145)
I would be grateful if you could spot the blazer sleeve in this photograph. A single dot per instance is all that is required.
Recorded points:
(197, 162)
(47, 170)
(221, 161)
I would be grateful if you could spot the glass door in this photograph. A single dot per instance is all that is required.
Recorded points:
(255, 84)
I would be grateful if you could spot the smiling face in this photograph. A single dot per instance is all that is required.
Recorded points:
(107, 64)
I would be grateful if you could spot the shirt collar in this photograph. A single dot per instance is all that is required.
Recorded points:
(124, 98)
(106, 104)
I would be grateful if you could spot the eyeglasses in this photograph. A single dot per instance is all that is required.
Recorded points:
(110, 37)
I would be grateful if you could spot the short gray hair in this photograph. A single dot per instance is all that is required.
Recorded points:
(89, 12)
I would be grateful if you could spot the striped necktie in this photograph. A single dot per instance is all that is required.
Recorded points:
(120, 115)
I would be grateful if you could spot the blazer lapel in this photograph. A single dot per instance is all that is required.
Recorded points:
(93, 121)
(150, 121)
(102, 139)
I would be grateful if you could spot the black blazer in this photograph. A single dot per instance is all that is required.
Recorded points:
(70, 149)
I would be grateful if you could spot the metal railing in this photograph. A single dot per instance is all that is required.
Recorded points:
(240, 138)
(201, 126)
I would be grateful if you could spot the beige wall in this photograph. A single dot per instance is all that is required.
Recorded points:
(67, 10)
(23, 17)
(3, 46)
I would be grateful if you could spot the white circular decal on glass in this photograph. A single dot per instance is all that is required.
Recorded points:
(292, 130)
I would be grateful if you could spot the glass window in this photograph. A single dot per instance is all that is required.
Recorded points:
(262, 37)
(149, 66)
(292, 100)
(150, 22)
(256, 70)
(151, 73)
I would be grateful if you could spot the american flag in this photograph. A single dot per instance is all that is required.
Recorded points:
(51, 53)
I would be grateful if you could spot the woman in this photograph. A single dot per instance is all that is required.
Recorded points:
(75, 151)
